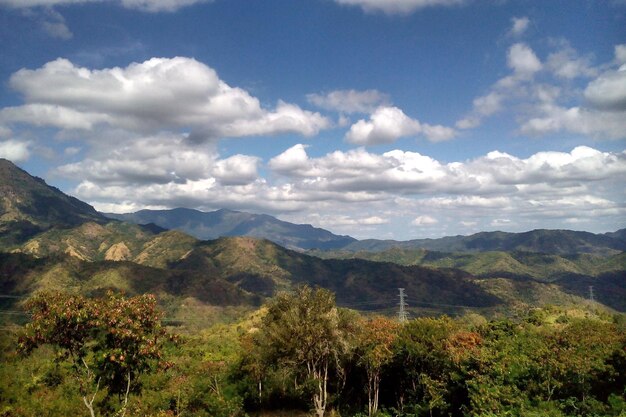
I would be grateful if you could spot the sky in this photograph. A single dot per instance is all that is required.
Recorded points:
(388, 119)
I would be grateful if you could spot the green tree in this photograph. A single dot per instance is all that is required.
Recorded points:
(109, 342)
(306, 332)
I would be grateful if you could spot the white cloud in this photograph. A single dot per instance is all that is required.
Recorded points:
(577, 120)
(424, 220)
(519, 25)
(54, 24)
(608, 91)
(52, 115)
(522, 60)
(481, 107)
(342, 220)
(291, 160)
(349, 101)
(388, 124)
(145, 5)
(566, 63)
(356, 191)
(524, 63)
(468, 223)
(236, 170)
(160, 5)
(413, 173)
(398, 6)
(14, 150)
(620, 53)
(147, 160)
(158, 94)
(553, 104)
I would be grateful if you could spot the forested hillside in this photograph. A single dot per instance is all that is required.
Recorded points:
(302, 355)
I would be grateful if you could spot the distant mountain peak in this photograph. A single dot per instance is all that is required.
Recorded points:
(229, 223)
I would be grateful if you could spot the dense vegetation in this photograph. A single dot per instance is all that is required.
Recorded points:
(303, 354)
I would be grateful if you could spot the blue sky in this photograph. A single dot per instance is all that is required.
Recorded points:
(375, 118)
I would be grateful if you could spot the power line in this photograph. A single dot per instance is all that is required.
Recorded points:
(446, 305)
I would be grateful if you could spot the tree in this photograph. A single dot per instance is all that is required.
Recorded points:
(108, 341)
(306, 332)
(375, 351)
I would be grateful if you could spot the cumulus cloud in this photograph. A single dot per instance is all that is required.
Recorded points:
(608, 91)
(545, 99)
(537, 191)
(292, 160)
(567, 63)
(161, 159)
(397, 6)
(14, 150)
(522, 60)
(388, 124)
(159, 94)
(158, 159)
(413, 173)
(578, 120)
(145, 5)
(357, 191)
(519, 25)
(349, 101)
(236, 170)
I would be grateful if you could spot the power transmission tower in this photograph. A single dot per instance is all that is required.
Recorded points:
(403, 315)
(591, 293)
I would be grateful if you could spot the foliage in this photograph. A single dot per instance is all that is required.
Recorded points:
(374, 350)
(307, 334)
(544, 362)
(108, 342)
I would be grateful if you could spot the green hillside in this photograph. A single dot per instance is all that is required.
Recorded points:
(29, 206)
(571, 275)
(558, 242)
(114, 241)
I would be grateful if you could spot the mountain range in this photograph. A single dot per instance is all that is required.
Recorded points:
(53, 241)
(562, 242)
(223, 223)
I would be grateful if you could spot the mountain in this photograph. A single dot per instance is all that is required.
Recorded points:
(619, 234)
(29, 206)
(514, 276)
(54, 241)
(226, 271)
(561, 242)
(221, 223)
(540, 266)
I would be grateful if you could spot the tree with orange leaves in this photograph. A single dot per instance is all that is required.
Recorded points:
(375, 347)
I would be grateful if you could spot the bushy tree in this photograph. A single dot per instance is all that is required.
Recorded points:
(306, 333)
(109, 342)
